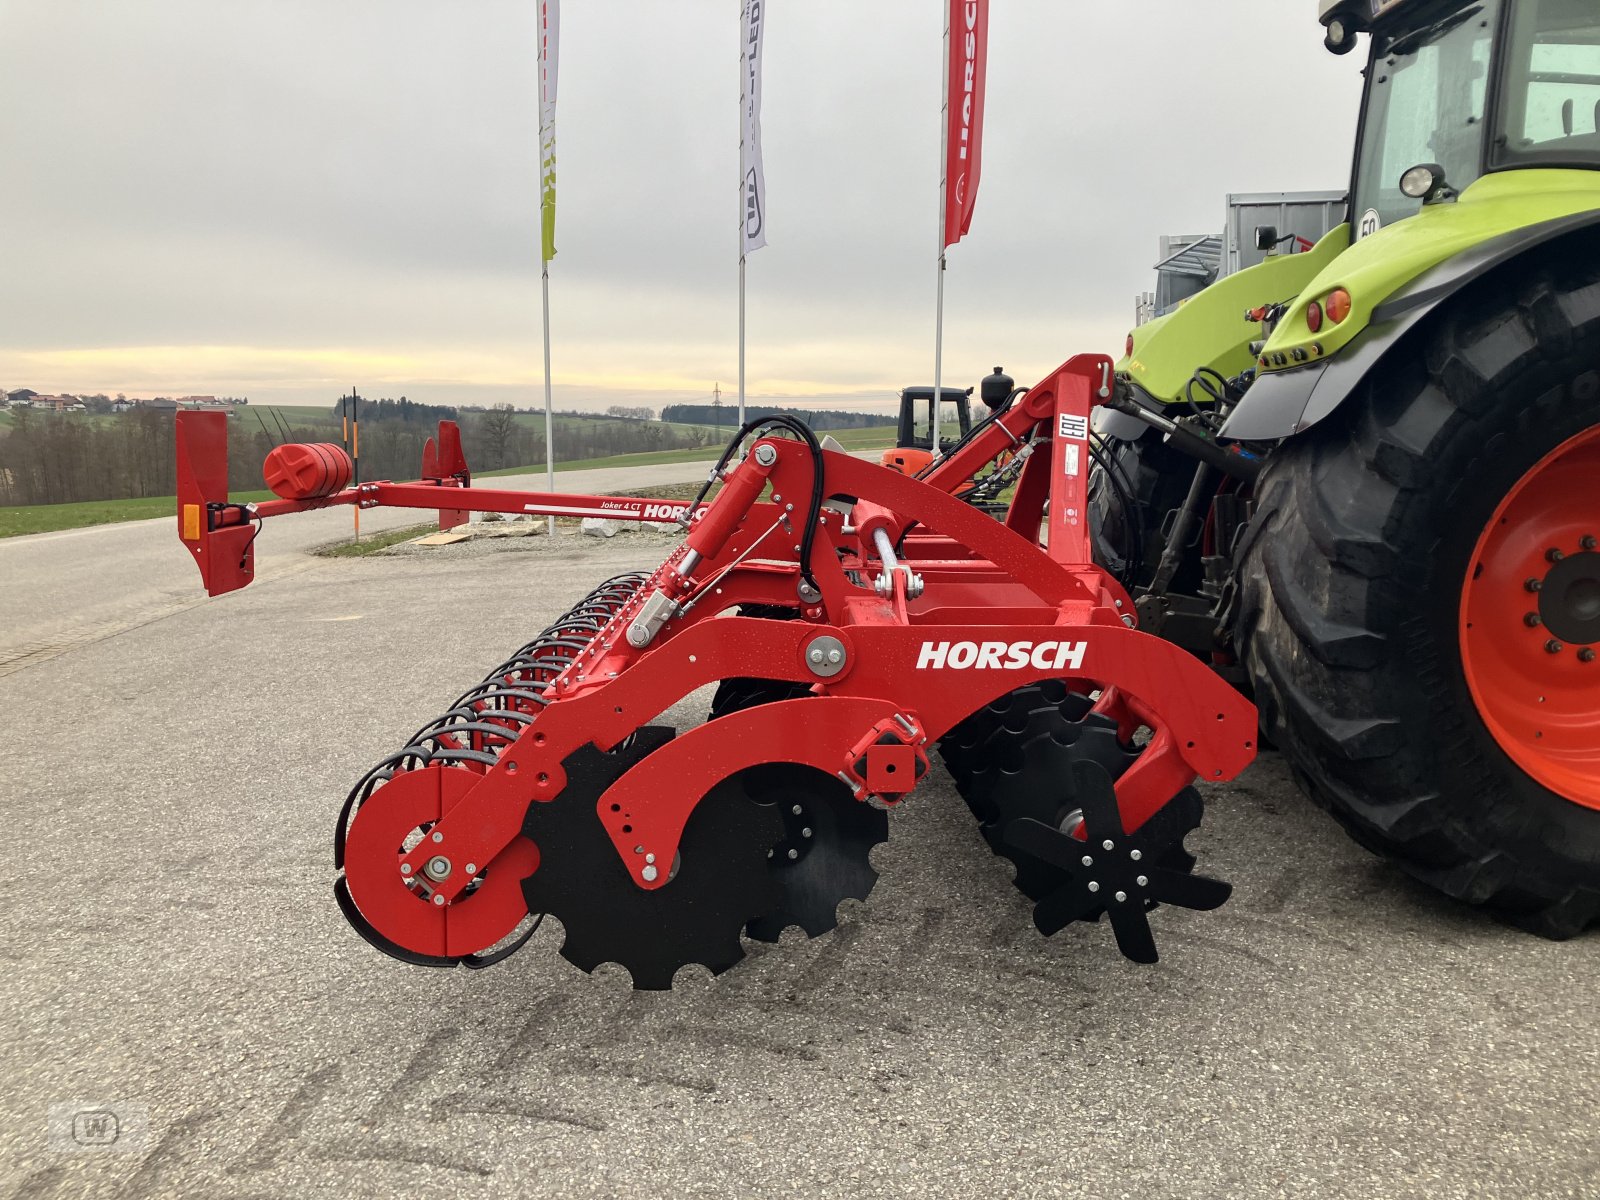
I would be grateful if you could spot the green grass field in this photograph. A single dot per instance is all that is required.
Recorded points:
(375, 542)
(644, 459)
(45, 518)
(850, 439)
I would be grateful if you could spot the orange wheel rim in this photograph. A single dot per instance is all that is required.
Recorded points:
(1530, 621)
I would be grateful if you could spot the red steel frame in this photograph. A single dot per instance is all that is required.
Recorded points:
(986, 583)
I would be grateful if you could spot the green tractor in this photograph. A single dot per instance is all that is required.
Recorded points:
(1364, 480)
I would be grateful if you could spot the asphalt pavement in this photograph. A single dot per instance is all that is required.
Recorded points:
(173, 955)
(66, 589)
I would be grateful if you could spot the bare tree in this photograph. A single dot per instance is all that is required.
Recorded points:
(499, 425)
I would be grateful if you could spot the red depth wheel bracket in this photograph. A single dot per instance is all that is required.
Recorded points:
(402, 908)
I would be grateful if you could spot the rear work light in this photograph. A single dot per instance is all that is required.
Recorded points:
(1337, 305)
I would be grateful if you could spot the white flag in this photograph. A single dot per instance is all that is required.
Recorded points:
(549, 36)
(753, 185)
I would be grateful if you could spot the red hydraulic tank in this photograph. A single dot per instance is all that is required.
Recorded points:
(307, 470)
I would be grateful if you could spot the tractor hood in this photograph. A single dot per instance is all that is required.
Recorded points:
(1396, 277)
(1211, 329)
(1377, 266)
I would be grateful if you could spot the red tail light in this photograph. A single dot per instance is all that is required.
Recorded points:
(1128, 349)
(1338, 305)
(1314, 317)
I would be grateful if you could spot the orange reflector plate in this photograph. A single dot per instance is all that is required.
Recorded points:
(191, 522)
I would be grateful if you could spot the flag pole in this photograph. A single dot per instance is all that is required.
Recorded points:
(743, 215)
(752, 174)
(355, 453)
(549, 27)
(944, 186)
(741, 329)
(549, 436)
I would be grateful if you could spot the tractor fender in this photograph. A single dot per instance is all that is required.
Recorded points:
(1281, 404)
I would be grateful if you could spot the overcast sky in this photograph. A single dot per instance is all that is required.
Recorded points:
(279, 198)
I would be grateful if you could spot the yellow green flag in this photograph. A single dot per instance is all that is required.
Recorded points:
(549, 35)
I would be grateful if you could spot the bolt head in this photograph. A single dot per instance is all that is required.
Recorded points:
(1087, 861)
(405, 868)
(649, 858)
(1143, 881)
(1587, 541)
(649, 874)
(796, 810)
(438, 837)
(472, 868)
(1586, 655)
(1093, 886)
(1136, 855)
(1108, 844)
(815, 656)
(1532, 620)
(793, 854)
(1553, 647)
(1121, 896)
(1553, 555)
(1534, 585)
(438, 899)
(806, 832)
(835, 656)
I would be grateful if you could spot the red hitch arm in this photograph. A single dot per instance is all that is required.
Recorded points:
(219, 534)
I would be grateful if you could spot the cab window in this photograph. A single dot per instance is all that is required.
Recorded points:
(1426, 103)
(1552, 94)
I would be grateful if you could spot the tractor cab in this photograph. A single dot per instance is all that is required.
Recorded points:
(1456, 91)
(914, 440)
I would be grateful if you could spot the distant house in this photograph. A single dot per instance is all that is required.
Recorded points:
(198, 402)
(161, 403)
(21, 397)
(59, 403)
(121, 406)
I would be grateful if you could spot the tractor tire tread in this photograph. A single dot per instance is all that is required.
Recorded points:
(1350, 665)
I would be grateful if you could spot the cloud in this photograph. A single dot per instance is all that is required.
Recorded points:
(270, 196)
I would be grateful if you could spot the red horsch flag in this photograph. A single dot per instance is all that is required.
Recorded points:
(968, 47)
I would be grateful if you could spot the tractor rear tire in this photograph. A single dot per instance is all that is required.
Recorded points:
(1155, 478)
(1352, 618)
